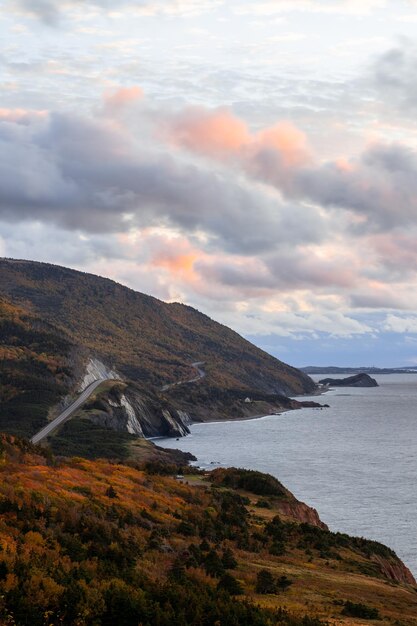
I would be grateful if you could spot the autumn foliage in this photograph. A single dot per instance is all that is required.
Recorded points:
(96, 543)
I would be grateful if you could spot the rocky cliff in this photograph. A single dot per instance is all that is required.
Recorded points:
(124, 408)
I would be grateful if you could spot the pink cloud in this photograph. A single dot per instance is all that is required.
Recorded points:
(214, 133)
(288, 140)
(397, 251)
(116, 100)
(220, 134)
(20, 116)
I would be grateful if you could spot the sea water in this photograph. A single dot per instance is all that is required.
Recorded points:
(355, 462)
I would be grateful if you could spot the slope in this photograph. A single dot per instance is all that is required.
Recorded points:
(151, 345)
(94, 543)
(150, 341)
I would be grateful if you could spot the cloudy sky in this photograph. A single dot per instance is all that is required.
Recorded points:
(257, 160)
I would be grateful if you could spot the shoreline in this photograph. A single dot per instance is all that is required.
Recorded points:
(245, 418)
(248, 418)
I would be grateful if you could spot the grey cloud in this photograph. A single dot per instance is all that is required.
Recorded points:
(287, 269)
(381, 187)
(46, 10)
(84, 175)
(385, 300)
(394, 74)
(52, 12)
(300, 269)
(45, 242)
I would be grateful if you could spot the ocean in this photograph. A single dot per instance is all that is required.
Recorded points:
(355, 462)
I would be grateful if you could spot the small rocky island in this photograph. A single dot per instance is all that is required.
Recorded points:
(358, 380)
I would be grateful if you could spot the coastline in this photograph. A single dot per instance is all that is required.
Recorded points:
(246, 418)
(277, 411)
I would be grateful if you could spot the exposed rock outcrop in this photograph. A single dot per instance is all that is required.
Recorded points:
(124, 408)
(394, 569)
(359, 380)
(96, 370)
(300, 512)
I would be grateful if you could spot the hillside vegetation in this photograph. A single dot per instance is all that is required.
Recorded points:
(53, 321)
(86, 543)
(36, 369)
(149, 341)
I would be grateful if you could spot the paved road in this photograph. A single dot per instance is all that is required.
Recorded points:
(200, 374)
(67, 412)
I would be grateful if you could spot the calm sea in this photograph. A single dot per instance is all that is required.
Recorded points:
(355, 462)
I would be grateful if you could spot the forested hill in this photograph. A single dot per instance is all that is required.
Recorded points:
(55, 322)
(147, 340)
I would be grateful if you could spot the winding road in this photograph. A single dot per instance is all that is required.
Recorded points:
(67, 412)
(200, 374)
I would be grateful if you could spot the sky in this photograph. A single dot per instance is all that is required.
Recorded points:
(256, 160)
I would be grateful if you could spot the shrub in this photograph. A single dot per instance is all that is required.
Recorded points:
(249, 480)
(284, 583)
(351, 609)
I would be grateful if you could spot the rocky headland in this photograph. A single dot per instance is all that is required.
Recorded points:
(358, 380)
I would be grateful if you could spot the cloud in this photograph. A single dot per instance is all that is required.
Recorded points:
(302, 325)
(117, 99)
(209, 210)
(92, 175)
(220, 134)
(216, 133)
(52, 13)
(379, 185)
(380, 298)
(397, 252)
(396, 324)
(270, 7)
(394, 76)
(20, 116)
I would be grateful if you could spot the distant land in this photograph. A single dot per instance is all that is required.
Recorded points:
(357, 380)
(332, 369)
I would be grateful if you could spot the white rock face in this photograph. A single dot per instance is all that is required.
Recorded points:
(177, 427)
(184, 417)
(96, 370)
(132, 425)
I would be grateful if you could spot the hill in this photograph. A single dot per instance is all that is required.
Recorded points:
(94, 543)
(67, 326)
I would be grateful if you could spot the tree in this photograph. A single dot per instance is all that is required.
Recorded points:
(230, 584)
(265, 582)
(228, 559)
(213, 564)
